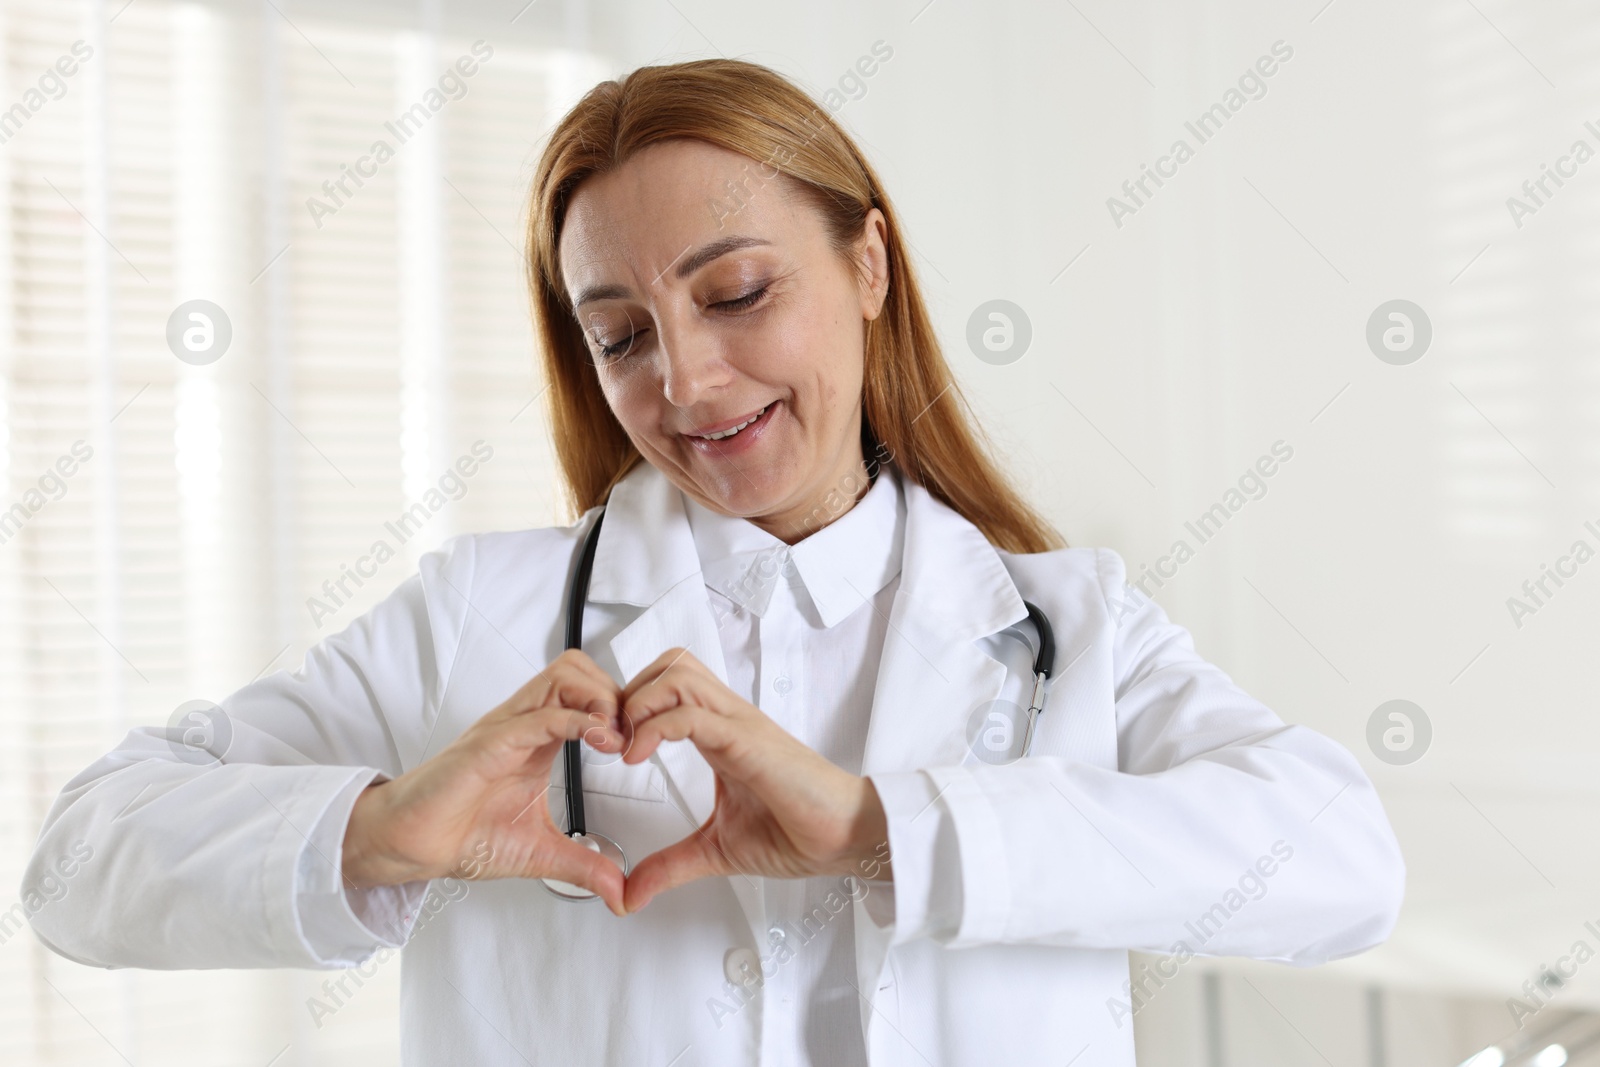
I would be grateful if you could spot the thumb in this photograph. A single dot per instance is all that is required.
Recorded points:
(678, 864)
(570, 862)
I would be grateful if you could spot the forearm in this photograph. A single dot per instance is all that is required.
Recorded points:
(190, 867)
(1054, 852)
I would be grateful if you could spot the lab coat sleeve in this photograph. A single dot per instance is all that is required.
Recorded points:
(916, 900)
(1222, 831)
(229, 857)
(344, 925)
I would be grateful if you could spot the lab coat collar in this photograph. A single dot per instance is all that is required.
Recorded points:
(954, 590)
(952, 574)
(646, 547)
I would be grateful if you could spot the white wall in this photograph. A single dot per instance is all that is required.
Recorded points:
(1230, 312)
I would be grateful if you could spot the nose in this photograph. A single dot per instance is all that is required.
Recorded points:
(691, 364)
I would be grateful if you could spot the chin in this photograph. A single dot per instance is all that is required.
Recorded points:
(749, 501)
(749, 494)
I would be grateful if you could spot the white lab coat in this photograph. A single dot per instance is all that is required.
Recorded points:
(1155, 792)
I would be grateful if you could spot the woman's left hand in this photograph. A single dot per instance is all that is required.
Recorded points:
(782, 810)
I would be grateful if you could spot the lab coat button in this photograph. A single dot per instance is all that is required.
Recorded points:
(782, 684)
(776, 934)
(741, 966)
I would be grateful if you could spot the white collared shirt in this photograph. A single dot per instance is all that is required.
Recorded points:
(802, 629)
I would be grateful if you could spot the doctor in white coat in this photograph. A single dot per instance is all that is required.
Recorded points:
(799, 670)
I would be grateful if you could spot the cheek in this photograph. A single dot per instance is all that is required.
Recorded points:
(629, 397)
(628, 408)
(819, 346)
(839, 366)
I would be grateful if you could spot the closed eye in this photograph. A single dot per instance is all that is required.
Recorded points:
(739, 303)
(613, 350)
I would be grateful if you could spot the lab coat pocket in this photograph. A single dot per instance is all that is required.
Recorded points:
(605, 773)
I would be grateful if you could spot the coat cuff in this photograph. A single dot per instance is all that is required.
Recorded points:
(339, 925)
(925, 896)
(979, 863)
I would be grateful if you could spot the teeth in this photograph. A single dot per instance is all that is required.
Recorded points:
(734, 430)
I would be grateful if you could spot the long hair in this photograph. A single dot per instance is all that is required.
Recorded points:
(913, 414)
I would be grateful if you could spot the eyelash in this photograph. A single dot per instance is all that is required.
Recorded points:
(739, 303)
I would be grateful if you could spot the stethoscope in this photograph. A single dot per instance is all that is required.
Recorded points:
(1044, 658)
(572, 751)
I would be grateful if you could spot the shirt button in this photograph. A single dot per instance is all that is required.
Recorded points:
(782, 684)
(776, 934)
(741, 966)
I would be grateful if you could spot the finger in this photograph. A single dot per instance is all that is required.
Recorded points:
(571, 862)
(710, 731)
(569, 683)
(678, 680)
(678, 864)
(648, 702)
(574, 688)
(608, 733)
(679, 660)
(524, 735)
(533, 695)
(581, 661)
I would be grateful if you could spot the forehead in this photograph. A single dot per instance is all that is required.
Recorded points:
(668, 198)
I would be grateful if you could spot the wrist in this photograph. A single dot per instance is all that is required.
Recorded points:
(365, 862)
(869, 853)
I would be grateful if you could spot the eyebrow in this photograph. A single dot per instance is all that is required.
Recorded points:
(686, 265)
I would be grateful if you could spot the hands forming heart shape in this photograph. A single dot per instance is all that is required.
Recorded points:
(781, 811)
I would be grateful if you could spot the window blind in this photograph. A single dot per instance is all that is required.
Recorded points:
(372, 347)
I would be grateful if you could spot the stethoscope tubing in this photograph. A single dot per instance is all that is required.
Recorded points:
(572, 751)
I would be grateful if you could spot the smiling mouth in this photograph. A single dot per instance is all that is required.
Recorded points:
(722, 435)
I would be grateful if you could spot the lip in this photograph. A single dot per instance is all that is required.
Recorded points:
(740, 442)
(726, 424)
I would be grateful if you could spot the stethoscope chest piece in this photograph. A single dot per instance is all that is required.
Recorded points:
(594, 843)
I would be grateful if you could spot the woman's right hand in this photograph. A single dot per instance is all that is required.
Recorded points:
(487, 787)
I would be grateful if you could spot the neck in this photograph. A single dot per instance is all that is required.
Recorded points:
(835, 495)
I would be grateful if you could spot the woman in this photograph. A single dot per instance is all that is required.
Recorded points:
(795, 666)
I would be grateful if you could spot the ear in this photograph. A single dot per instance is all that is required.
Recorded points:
(872, 263)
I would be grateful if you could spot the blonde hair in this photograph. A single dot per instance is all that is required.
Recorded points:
(912, 410)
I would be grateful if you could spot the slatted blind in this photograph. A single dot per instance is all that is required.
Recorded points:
(369, 352)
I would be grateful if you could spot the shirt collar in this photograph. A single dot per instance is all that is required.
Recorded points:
(840, 566)
(954, 585)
